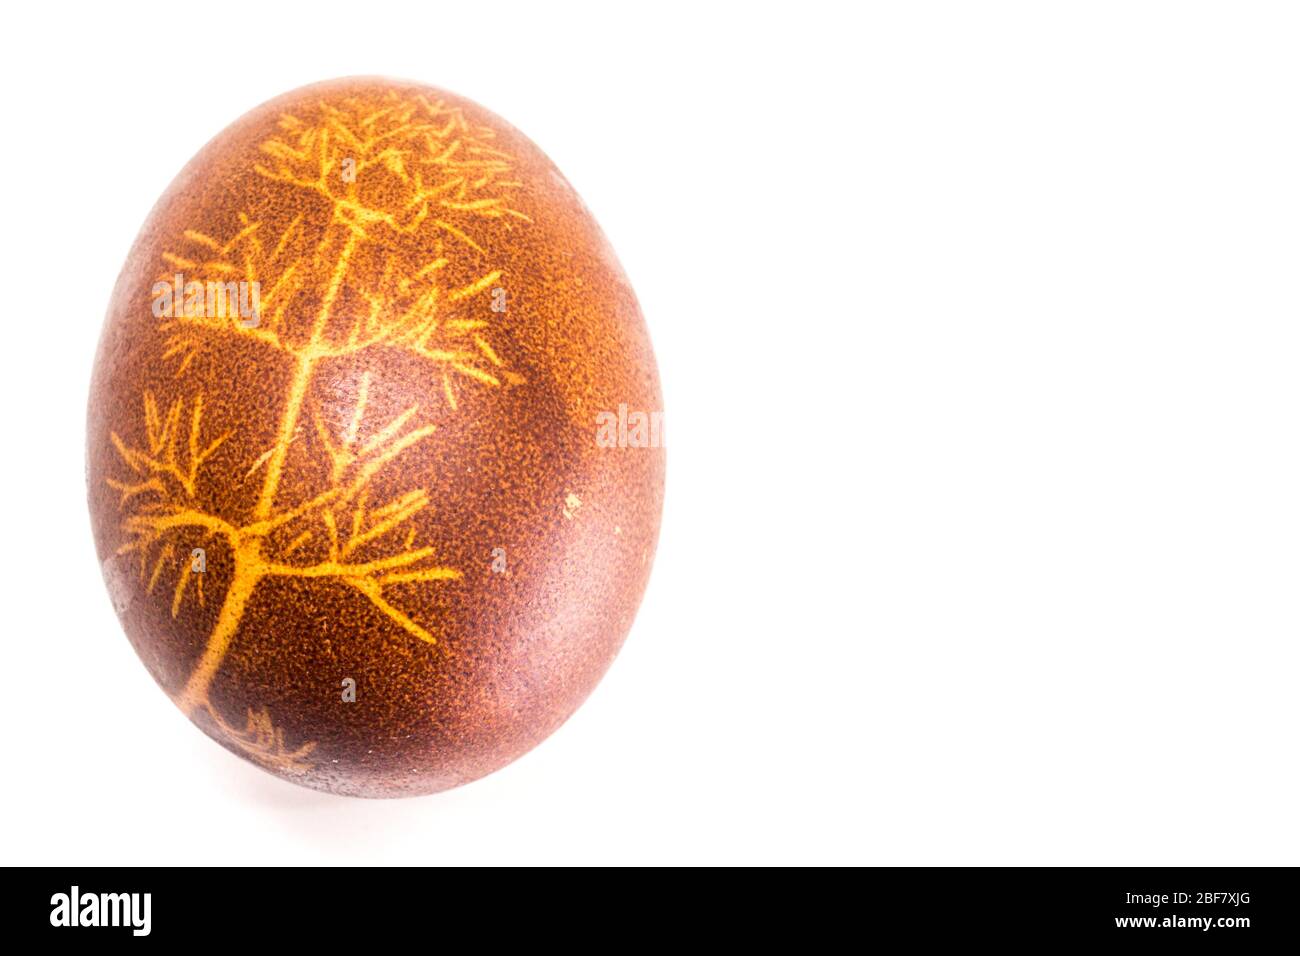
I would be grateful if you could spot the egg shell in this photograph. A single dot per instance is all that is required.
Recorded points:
(381, 526)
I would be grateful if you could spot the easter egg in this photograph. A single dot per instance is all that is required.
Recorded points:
(374, 442)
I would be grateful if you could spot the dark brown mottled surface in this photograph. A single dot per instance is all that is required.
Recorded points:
(514, 654)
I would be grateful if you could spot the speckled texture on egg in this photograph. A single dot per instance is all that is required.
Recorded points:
(374, 416)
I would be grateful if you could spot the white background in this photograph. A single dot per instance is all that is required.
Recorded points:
(978, 334)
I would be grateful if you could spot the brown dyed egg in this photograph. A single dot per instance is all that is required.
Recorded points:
(375, 456)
